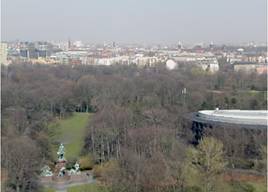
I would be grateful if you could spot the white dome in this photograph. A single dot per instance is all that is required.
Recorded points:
(170, 64)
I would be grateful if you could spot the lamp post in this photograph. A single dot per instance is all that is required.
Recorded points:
(184, 92)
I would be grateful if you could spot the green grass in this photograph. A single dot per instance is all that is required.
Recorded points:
(48, 190)
(259, 187)
(87, 188)
(70, 132)
(243, 187)
(248, 187)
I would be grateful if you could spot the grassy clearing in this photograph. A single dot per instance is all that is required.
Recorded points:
(87, 188)
(259, 187)
(248, 187)
(48, 190)
(70, 132)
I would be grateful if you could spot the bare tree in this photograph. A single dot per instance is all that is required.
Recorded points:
(21, 158)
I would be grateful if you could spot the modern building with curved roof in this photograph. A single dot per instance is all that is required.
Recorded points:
(254, 118)
(248, 125)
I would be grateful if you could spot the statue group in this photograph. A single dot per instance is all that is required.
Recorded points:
(46, 172)
(75, 170)
(60, 169)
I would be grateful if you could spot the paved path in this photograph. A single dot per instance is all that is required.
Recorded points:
(86, 178)
(64, 188)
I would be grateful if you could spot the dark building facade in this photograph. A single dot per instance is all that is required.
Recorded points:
(240, 138)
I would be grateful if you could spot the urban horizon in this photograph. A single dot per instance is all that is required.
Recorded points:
(185, 43)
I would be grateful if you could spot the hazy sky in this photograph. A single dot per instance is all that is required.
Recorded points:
(137, 21)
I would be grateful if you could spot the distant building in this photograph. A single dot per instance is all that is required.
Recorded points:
(69, 57)
(69, 44)
(241, 56)
(262, 69)
(141, 60)
(3, 54)
(211, 46)
(209, 64)
(78, 44)
(180, 46)
(34, 53)
(207, 61)
(250, 67)
(124, 60)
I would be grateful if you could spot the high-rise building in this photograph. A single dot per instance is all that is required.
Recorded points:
(211, 45)
(179, 45)
(69, 44)
(24, 53)
(3, 54)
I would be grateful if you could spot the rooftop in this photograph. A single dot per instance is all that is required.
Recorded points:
(245, 117)
(248, 63)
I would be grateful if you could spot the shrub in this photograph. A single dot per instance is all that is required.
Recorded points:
(193, 189)
(70, 164)
(86, 162)
(242, 187)
(103, 169)
(243, 163)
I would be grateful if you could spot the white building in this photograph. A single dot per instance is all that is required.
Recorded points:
(209, 64)
(207, 61)
(124, 60)
(3, 54)
(141, 60)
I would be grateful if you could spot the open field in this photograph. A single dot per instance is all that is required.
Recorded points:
(87, 187)
(259, 187)
(237, 187)
(249, 186)
(241, 180)
(70, 132)
(48, 190)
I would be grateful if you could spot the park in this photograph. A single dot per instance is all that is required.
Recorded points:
(88, 128)
(69, 131)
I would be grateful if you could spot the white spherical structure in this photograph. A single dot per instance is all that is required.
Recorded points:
(170, 64)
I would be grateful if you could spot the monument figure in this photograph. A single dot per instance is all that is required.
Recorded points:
(60, 175)
(46, 172)
(75, 170)
(62, 172)
(61, 152)
(77, 167)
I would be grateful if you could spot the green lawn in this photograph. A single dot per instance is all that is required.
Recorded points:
(87, 188)
(70, 132)
(81, 188)
(259, 187)
(249, 187)
(48, 190)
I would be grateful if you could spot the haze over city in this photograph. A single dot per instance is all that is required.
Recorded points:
(135, 21)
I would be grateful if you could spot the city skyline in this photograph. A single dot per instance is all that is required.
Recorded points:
(136, 21)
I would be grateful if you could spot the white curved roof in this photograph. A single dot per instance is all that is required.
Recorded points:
(250, 117)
